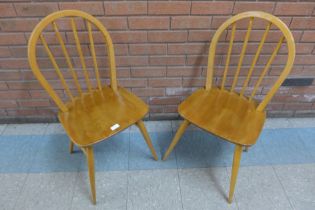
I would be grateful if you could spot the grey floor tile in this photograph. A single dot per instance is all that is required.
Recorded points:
(274, 123)
(199, 149)
(111, 191)
(302, 122)
(54, 128)
(153, 189)
(140, 156)
(2, 127)
(154, 126)
(205, 188)
(47, 191)
(299, 184)
(25, 129)
(259, 188)
(11, 186)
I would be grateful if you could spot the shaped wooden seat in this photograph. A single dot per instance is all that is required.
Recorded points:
(224, 110)
(92, 118)
(225, 114)
(97, 111)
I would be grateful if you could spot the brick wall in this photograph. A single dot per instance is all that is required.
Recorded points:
(161, 49)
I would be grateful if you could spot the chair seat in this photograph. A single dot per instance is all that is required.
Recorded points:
(101, 114)
(224, 114)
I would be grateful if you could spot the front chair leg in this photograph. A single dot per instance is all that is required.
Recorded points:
(176, 138)
(90, 161)
(235, 167)
(146, 137)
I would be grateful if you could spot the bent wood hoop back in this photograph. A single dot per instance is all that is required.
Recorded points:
(286, 36)
(50, 21)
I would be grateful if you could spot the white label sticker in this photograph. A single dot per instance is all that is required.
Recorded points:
(114, 127)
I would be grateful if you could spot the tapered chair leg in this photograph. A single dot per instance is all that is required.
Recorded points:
(146, 137)
(176, 138)
(235, 167)
(90, 161)
(71, 146)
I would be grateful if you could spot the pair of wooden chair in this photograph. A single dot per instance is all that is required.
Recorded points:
(99, 111)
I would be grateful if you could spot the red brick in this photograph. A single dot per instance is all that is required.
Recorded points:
(253, 6)
(167, 60)
(132, 83)
(180, 49)
(3, 86)
(164, 100)
(308, 36)
(197, 60)
(14, 63)
(167, 36)
(190, 22)
(200, 36)
(171, 109)
(303, 23)
(284, 8)
(8, 104)
(7, 10)
(12, 39)
(147, 49)
(168, 8)
(148, 72)
(211, 8)
(149, 22)
(131, 60)
(114, 23)
(184, 71)
(22, 112)
(10, 75)
(93, 8)
(34, 103)
(194, 82)
(16, 25)
(13, 94)
(125, 8)
(129, 37)
(165, 82)
(35, 9)
(25, 85)
(5, 52)
(150, 92)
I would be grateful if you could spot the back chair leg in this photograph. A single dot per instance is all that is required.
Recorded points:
(176, 138)
(90, 160)
(71, 146)
(246, 148)
(235, 167)
(147, 139)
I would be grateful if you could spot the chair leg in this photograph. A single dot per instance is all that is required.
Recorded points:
(146, 137)
(71, 147)
(245, 148)
(90, 161)
(235, 167)
(176, 138)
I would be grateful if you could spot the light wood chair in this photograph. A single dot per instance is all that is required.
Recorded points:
(97, 113)
(226, 112)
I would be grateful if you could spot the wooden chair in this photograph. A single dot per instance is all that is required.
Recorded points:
(94, 114)
(225, 112)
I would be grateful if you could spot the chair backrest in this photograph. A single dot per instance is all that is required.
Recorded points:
(38, 37)
(272, 21)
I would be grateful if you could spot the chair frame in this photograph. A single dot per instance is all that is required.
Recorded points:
(37, 35)
(287, 35)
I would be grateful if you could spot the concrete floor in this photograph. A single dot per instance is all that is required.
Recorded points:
(37, 172)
